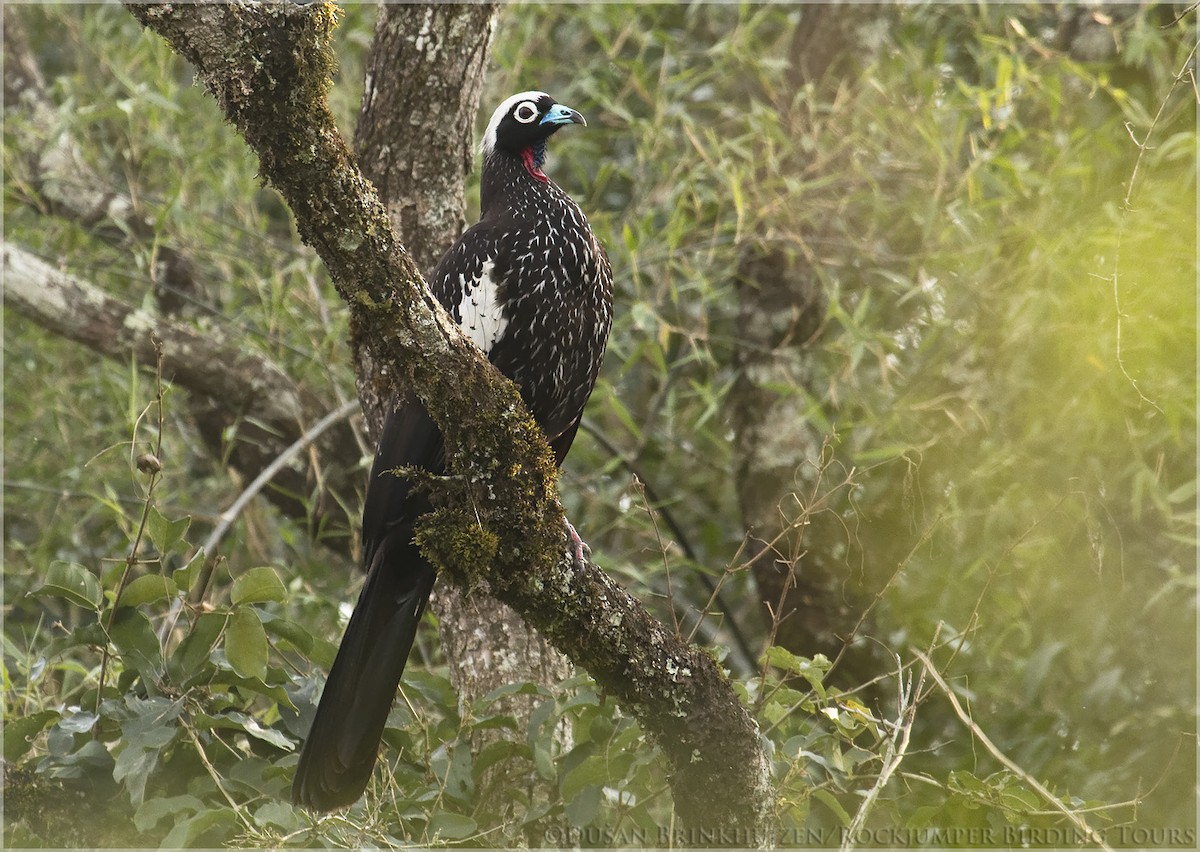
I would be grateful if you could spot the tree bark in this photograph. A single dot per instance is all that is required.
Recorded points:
(415, 126)
(498, 523)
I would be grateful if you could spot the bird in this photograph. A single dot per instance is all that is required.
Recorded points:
(532, 287)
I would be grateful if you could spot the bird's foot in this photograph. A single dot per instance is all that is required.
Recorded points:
(579, 549)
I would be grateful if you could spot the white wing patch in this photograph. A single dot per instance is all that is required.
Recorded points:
(482, 314)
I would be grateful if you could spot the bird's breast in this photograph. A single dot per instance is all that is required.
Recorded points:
(531, 287)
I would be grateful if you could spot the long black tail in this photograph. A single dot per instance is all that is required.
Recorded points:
(342, 744)
(340, 751)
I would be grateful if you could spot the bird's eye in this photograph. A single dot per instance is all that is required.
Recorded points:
(525, 112)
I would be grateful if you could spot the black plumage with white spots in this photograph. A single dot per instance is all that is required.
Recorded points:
(531, 286)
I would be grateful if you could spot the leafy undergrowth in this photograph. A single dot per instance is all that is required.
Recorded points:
(192, 741)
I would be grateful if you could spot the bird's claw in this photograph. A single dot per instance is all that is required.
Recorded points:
(579, 549)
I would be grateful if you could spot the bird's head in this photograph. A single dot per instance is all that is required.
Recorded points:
(521, 125)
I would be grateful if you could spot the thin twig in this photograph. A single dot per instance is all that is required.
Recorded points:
(730, 620)
(977, 732)
(237, 809)
(1127, 208)
(922, 539)
(640, 488)
(251, 491)
(894, 750)
(147, 503)
(1180, 16)
(235, 509)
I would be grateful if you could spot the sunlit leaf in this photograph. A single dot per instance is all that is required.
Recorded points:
(246, 644)
(258, 585)
(71, 582)
(147, 589)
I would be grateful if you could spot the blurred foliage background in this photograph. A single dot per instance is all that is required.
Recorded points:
(987, 217)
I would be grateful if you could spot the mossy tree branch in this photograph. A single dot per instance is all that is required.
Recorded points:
(499, 523)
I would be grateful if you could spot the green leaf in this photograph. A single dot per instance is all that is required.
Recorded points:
(280, 814)
(138, 644)
(91, 634)
(191, 829)
(498, 751)
(451, 826)
(1185, 493)
(150, 728)
(147, 589)
(20, 732)
(581, 810)
(152, 811)
(592, 771)
(451, 764)
(481, 705)
(190, 662)
(300, 636)
(164, 533)
(812, 670)
(258, 585)
(185, 576)
(623, 414)
(922, 817)
(90, 758)
(71, 582)
(270, 686)
(246, 644)
(431, 687)
(962, 781)
(830, 801)
(149, 720)
(233, 720)
(543, 760)
(79, 722)
(133, 768)
(784, 659)
(499, 720)
(539, 717)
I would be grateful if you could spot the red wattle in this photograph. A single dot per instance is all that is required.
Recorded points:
(531, 166)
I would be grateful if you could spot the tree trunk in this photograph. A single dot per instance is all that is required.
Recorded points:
(800, 544)
(414, 136)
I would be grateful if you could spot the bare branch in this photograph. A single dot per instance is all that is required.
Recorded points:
(895, 748)
(244, 386)
(78, 310)
(250, 491)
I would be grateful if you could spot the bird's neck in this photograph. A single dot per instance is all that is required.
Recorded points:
(515, 181)
(533, 158)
